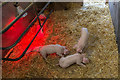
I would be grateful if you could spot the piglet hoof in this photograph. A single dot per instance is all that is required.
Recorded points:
(84, 65)
(74, 46)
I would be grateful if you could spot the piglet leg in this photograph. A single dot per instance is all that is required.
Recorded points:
(75, 46)
(44, 55)
(59, 54)
(79, 63)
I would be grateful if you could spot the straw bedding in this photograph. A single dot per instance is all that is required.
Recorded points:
(65, 29)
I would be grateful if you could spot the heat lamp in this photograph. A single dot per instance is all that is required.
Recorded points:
(19, 9)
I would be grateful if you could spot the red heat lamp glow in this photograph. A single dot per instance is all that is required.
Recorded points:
(10, 20)
(11, 35)
(26, 39)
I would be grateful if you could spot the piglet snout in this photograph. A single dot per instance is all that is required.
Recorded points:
(85, 60)
(66, 52)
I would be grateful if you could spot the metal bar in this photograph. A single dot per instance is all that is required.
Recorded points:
(38, 17)
(8, 55)
(19, 16)
(9, 59)
(3, 48)
(39, 21)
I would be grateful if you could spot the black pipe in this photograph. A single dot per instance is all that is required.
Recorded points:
(9, 59)
(19, 16)
(9, 47)
(38, 18)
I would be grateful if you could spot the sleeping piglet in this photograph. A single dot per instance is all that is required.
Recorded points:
(82, 41)
(77, 58)
(49, 49)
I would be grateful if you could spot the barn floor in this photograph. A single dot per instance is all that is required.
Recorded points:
(64, 28)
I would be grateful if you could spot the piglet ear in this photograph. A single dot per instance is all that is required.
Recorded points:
(74, 46)
(84, 54)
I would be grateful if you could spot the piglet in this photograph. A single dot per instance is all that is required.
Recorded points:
(49, 49)
(82, 41)
(77, 58)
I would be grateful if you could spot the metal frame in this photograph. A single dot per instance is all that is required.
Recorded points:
(9, 47)
(18, 17)
(9, 59)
